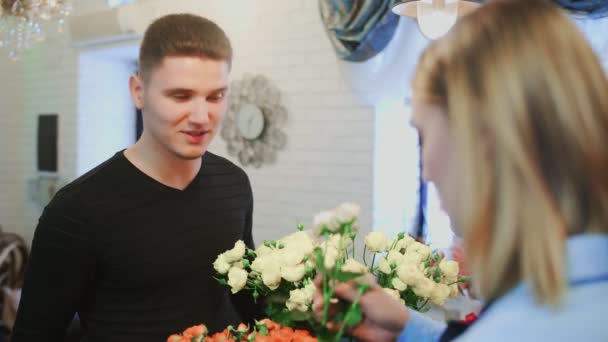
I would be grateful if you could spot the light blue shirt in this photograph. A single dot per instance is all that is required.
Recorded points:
(582, 315)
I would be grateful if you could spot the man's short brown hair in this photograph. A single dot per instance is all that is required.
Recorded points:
(182, 35)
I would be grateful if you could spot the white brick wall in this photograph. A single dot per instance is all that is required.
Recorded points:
(12, 199)
(329, 154)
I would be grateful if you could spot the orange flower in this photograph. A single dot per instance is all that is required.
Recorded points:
(195, 331)
(270, 324)
(174, 338)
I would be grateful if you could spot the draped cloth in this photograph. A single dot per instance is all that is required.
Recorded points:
(358, 29)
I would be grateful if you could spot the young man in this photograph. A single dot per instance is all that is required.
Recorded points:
(129, 246)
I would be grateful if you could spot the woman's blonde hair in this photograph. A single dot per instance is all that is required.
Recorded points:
(527, 102)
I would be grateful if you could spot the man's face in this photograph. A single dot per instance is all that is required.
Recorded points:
(183, 103)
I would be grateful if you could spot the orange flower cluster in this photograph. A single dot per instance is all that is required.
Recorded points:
(270, 332)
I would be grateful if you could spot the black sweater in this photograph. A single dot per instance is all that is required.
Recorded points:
(134, 257)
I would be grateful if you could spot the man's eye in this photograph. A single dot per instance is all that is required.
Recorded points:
(217, 97)
(180, 97)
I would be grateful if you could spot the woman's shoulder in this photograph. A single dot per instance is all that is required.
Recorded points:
(517, 317)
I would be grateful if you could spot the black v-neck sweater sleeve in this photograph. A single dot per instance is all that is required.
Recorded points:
(133, 257)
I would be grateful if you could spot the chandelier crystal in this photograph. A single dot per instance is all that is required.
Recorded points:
(24, 23)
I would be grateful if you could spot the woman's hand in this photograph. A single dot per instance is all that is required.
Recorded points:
(383, 316)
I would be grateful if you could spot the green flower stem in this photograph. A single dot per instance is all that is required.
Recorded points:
(371, 267)
(326, 299)
(423, 305)
(350, 311)
(364, 249)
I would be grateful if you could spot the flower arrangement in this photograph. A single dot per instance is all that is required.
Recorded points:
(281, 271)
(264, 331)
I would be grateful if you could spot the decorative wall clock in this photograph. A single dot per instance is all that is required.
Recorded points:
(254, 121)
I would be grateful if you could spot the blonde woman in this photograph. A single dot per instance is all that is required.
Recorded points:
(512, 109)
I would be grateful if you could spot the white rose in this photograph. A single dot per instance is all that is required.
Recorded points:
(299, 299)
(376, 242)
(454, 290)
(263, 250)
(384, 266)
(237, 278)
(398, 284)
(330, 257)
(290, 257)
(310, 289)
(424, 287)
(420, 248)
(339, 241)
(439, 294)
(353, 266)
(450, 269)
(271, 278)
(347, 212)
(261, 263)
(293, 273)
(409, 274)
(221, 265)
(411, 257)
(395, 257)
(393, 293)
(236, 253)
(325, 219)
(299, 240)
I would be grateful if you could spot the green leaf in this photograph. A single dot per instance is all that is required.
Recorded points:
(300, 227)
(221, 281)
(346, 276)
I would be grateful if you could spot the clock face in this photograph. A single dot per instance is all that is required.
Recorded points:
(250, 121)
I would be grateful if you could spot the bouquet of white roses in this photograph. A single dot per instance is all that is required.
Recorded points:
(282, 271)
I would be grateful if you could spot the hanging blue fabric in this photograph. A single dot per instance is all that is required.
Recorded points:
(586, 8)
(358, 29)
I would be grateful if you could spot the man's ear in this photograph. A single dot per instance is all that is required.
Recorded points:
(136, 87)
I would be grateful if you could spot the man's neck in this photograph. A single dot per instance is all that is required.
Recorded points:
(162, 165)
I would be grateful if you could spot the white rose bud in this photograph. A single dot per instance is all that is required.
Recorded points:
(439, 294)
(384, 266)
(352, 266)
(376, 242)
(237, 278)
(271, 278)
(325, 219)
(221, 265)
(347, 212)
(299, 299)
(450, 269)
(293, 273)
(398, 284)
(236, 253)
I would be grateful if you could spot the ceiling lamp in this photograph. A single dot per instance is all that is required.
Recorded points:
(435, 17)
(23, 22)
